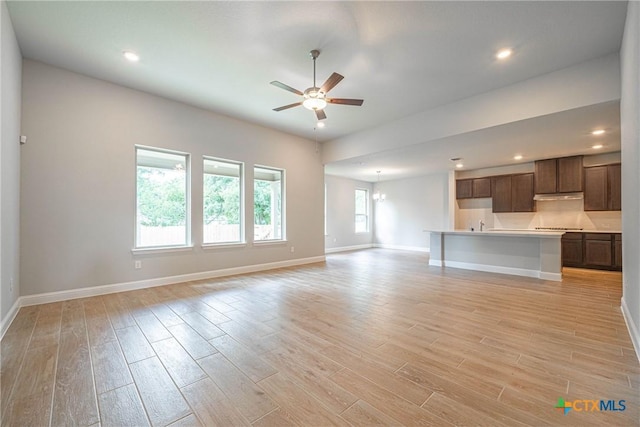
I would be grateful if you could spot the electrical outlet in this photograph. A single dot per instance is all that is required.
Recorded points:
(11, 285)
(138, 265)
(293, 249)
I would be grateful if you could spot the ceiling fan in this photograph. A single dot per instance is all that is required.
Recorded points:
(315, 98)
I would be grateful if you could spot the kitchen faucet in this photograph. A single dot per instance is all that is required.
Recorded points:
(481, 225)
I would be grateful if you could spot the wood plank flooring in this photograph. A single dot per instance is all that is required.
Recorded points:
(374, 337)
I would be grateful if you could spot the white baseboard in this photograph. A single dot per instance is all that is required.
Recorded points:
(348, 248)
(49, 297)
(6, 322)
(402, 248)
(557, 277)
(633, 330)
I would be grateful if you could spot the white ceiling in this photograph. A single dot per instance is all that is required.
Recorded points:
(554, 135)
(401, 57)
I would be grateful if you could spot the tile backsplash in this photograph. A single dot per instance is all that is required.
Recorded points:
(556, 213)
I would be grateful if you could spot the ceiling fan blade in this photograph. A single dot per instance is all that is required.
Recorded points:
(321, 115)
(333, 80)
(286, 87)
(284, 107)
(345, 101)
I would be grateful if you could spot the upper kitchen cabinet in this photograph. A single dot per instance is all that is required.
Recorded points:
(614, 181)
(501, 190)
(546, 176)
(482, 187)
(512, 193)
(473, 188)
(464, 189)
(522, 193)
(602, 188)
(562, 175)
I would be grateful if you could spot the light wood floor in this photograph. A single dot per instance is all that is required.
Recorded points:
(370, 337)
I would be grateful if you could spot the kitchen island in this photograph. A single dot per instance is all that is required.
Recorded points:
(522, 253)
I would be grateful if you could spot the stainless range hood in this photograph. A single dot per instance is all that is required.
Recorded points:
(558, 196)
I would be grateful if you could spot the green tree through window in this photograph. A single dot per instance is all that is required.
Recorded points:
(222, 201)
(162, 205)
(268, 187)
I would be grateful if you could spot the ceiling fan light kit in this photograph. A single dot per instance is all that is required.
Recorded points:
(315, 98)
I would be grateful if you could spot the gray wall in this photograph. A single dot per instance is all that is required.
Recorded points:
(78, 182)
(630, 131)
(10, 73)
(341, 214)
(411, 206)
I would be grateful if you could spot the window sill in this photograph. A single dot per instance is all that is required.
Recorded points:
(229, 245)
(270, 243)
(161, 249)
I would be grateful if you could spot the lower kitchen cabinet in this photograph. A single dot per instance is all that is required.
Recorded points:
(602, 251)
(617, 251)
(598, 250)
(572, 249)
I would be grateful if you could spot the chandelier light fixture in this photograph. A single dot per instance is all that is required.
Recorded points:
(378, 196)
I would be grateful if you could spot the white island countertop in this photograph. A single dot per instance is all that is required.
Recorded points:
(494, 232)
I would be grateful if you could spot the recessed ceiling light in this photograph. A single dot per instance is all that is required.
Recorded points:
(459, 165)
(597, 146)
(320, 124)
(598, 132)
(504, 53)
(131, 56)
(517, 157)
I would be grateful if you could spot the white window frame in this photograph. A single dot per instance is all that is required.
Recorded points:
(241, 240)
(163, 248)
(283, 228)
(366, 214)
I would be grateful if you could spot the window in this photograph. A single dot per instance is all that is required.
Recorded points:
(222, 201)
(268, 203)
(362, 210)
(162, 198)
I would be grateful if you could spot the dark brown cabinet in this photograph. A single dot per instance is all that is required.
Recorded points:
(562, 175)
(546, 174)
(501, 193)
(512, 193)
(602, 188)
(617, 251)
(572, 249)
(522, 193)
(464, 189)
(473, 188)
(570, 174)
(602, 251)
(595, 184)
(598, 250)
(482, 187)
(614, 181)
